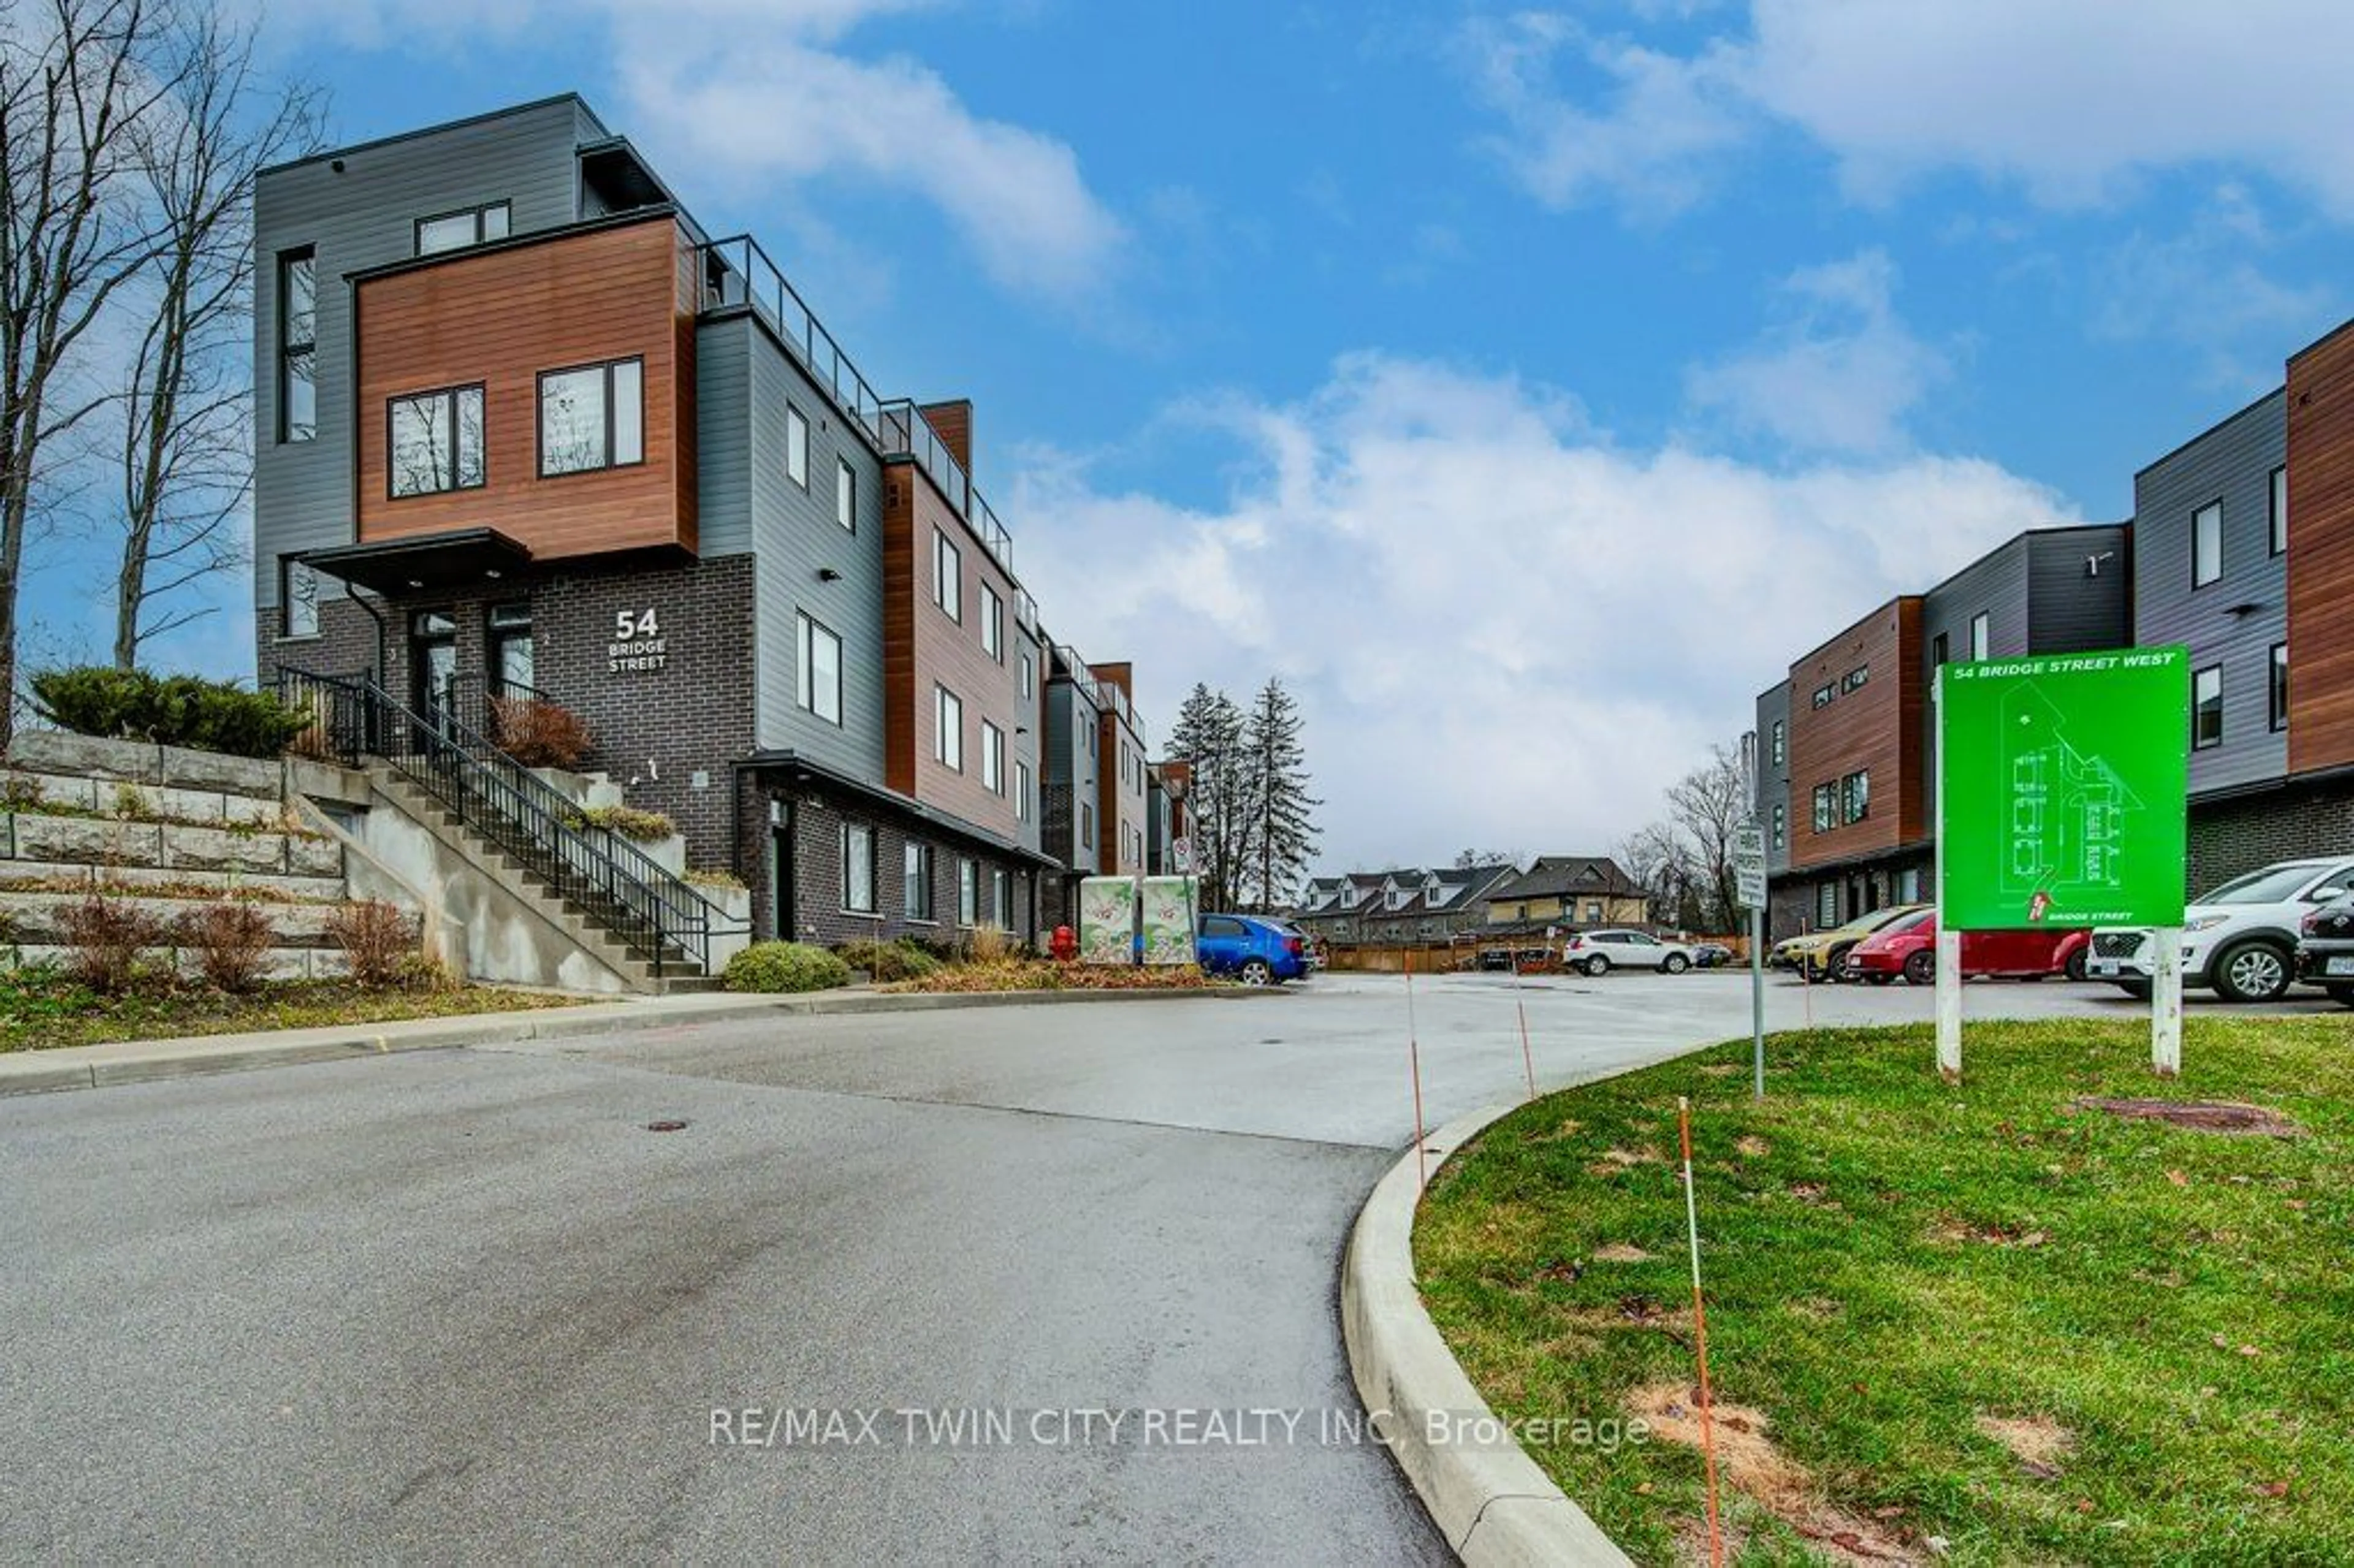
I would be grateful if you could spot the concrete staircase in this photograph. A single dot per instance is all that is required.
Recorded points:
(582, 924)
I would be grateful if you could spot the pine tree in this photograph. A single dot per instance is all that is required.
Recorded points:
(1209, 735)
(1283, 834)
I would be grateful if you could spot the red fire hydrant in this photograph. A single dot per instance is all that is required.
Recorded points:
(1064, 944)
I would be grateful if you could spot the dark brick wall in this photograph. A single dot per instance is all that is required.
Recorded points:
(816, 814)
(2229, 837)
(345, 644)
(1792, 902)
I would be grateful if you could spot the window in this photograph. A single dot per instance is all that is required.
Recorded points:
(1781, 825)
(796, 447)
(2280, 686)
(298, 341)
(1855, 678)
(591, 417)
(1029, 675)
(857, 868)
(1941, 651)
(947, 729)
(1823, 695)
(1826, 906)
(298, 598)
(1855, 797)
(1001, 897)
(1021, 791)
(2280, 511)
(2207, 708)
(1908, 885)
(1092, 740)
(2207, 544)
(1087, 826)
(1780, 743)
(514, 664)
(918, 892)
(967, 893)
(434, 442)
(992, 758)
(1981, 634)
(948, 576)
(821, 672)
(845, 496)
(993, 623)
(1826, 808)
(456, 230)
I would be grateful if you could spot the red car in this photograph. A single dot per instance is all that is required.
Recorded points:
(1909, 947)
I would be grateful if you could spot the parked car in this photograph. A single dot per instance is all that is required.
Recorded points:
(1909, 947)
(1252, 947)
(1599, 952)
(1710, 955)
(2238, 940)
(1822, 955)
(2325, 950)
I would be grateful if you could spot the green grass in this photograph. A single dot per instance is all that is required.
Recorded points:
(1889, 1260)
(42, 1012)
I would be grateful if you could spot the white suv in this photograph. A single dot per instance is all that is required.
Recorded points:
(2239, 939)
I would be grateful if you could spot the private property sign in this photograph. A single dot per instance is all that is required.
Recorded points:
(2061, 788)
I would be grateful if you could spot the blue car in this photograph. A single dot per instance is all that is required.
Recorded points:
(1253, 948)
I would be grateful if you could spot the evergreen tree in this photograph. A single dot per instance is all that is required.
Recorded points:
(1209, 735)
(1282, 836)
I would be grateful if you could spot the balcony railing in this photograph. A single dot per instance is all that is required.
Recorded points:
(738, 272)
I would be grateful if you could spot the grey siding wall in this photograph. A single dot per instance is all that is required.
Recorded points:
(1028, 745)
(2079, 588)
(1071, 779)
(2234, 620)
(1773, 777)
(364, 217)
(1995, 586)
(792, 534)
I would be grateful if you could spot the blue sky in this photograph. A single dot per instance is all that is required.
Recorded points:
(1526, 387)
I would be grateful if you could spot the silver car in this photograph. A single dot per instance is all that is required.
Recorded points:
(1599, 952)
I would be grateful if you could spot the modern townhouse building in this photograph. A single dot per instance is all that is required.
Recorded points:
(525, 428)
(1167, 817)
(1412, 906)
(1847, 742)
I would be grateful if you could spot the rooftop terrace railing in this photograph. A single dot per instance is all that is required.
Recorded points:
(737, 272)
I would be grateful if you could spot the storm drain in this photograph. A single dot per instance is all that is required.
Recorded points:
(665, 1126)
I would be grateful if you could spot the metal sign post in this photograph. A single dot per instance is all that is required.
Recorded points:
(1749, 878)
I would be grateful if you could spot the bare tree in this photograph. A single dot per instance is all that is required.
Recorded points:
(1473, 859)
(1658, 863)
(186, 430)
(76, 79)
(1707, 807)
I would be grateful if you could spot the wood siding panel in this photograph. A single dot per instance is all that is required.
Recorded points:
(924, 649)
(1874, 729)
(2321, 554)
(502, 317)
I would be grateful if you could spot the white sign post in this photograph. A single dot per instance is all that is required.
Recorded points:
(1749, 889)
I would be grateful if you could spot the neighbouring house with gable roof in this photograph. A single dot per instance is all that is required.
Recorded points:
(1569, 890)
(1399, 907)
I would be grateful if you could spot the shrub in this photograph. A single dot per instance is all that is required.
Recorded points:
(713, 876)
(644, 827)
(105, 936)
(888, 962)
(378, 939)
(177, 710)
(990, 944)
(540, 734)
(785, 967)
(231, 943)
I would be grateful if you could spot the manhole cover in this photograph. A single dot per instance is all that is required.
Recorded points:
(665, 1126)
(2201, 1116)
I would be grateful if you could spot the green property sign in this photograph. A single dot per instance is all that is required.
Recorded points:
(2060, 785)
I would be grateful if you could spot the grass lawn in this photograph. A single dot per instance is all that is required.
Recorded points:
(1973, 1325)
(42, 1012)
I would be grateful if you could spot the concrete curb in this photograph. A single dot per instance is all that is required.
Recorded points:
(1493, 1504)
(145, 1061)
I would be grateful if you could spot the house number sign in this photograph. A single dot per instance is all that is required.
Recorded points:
(638, 646)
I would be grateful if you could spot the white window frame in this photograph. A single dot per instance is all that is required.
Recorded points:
(948, 576)
(993, 623)
(796, 446)
(845, 495)
(1981, 634)
(2207, 545)
(947, 728)
(813, 634)
(1021, 791)
(992, 758)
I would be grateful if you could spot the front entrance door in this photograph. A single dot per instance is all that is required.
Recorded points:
(432, 664)
(780, 870)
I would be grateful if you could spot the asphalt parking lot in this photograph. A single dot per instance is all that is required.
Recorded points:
(464, 1304)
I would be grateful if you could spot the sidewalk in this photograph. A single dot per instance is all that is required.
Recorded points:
(141, 1061)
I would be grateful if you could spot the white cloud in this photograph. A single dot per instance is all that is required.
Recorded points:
(1838, 373)
(2074, 102)
(1504, 628)
(769, 91)
(1662, 121)
(2205, 288)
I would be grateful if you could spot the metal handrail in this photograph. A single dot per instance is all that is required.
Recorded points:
(632, 895)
